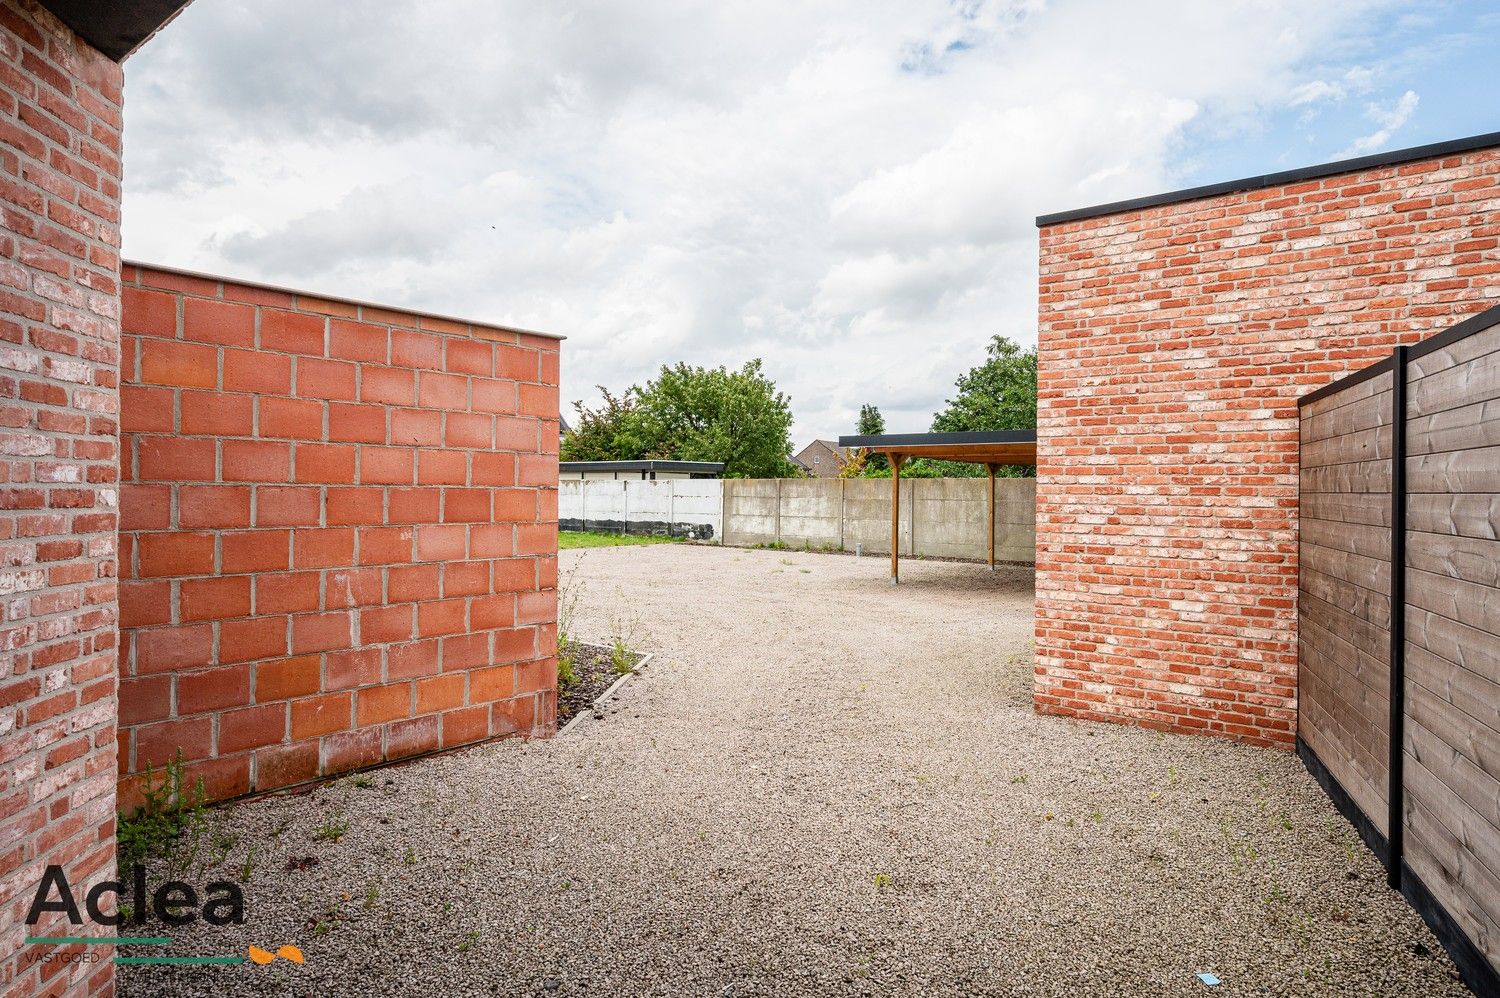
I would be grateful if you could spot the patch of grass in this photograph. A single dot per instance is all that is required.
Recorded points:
(567, 539)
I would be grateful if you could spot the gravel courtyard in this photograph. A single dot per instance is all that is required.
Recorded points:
(820, 785)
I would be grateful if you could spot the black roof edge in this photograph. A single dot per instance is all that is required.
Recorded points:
(1393, 158)
(935, 439)
(641, 465)
(115, 27)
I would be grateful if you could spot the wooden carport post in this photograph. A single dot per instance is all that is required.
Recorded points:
(990, 467)
(895, 518)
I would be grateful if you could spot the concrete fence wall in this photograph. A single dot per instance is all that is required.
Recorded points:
(691, 508)
(940, 517)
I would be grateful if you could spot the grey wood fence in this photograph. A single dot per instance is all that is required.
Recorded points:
(1399, 671)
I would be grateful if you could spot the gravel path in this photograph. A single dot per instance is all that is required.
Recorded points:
(822, 785)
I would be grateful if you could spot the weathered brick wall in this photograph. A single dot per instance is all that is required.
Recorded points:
(338, 532)
(1174, 341)
(59, 350)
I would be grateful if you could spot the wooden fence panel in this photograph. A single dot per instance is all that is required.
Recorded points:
(1344, 588)
(1401, 463)
(1451, 747)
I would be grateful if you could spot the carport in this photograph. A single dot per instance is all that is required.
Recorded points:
(991, 448)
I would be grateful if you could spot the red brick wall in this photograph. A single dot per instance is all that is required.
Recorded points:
(1174, 341)
(59, 352)
(338, 532)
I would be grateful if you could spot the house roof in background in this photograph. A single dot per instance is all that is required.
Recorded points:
(115, 27)
(1395, 157)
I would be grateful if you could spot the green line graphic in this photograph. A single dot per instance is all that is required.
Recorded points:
(101, 940)
(179, 959)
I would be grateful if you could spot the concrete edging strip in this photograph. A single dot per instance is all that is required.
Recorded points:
(597, 706)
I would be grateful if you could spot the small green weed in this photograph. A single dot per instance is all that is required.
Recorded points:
(620, 658)
(170, 822)
(332, 830)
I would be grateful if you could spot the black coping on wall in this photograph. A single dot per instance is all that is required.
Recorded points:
(1393, 158)
(115, 27)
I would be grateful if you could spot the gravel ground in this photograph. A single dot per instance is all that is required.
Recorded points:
(821, 785)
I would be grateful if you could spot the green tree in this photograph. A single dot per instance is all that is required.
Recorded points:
(871, 423)
(608, 433)
(692, 414)
(999, 394)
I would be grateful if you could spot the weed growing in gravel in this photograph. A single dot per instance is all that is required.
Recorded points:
(620, 658)
(1018, 778)
(882, 881)
(372, 894)
(362, 782)
(410, 859)
(333, 829)
(247, 867)
(170, 822)
(568, 593)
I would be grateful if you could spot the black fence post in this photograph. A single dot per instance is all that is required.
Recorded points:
(1394, 816)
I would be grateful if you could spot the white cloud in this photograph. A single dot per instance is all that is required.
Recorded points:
(1389, 117)
(845, 188)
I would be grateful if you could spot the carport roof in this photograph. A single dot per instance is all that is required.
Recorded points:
(985, 447)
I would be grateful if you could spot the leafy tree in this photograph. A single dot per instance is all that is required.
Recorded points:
(999, 394)
(607, 433)
(691, 414)
(871, 423)
(715, 414)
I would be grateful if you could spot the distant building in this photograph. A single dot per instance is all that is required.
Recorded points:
(643, 470)
(820, 458)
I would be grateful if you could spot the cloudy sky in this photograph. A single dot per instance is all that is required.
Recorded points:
(844, 188)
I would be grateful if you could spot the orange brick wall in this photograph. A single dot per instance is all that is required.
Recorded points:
(59, 351)
(1174, 341)
(338, 532)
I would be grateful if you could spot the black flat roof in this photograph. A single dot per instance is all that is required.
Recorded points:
(115, 27)
(1432, 151)
(700, 467)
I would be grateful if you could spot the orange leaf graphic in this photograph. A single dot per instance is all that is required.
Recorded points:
(290, 952)
(261, 956)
